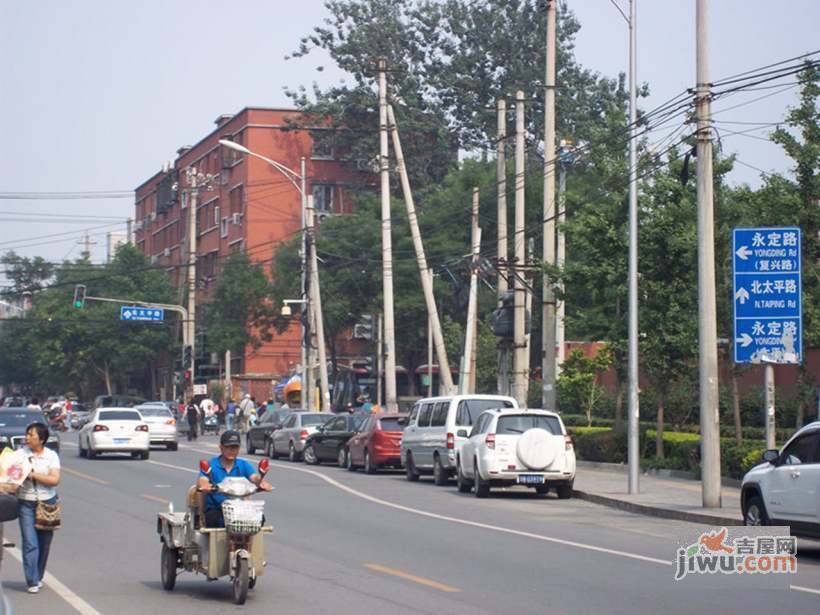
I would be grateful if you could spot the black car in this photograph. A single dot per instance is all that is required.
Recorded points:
(259, 434)
(328, 443)
(13, 423)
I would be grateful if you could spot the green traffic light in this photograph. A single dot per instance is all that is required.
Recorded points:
(78, 304)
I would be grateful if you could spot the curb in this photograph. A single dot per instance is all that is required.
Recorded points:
(725, 481)
(654, 511)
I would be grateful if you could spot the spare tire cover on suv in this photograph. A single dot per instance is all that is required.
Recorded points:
(537, 448)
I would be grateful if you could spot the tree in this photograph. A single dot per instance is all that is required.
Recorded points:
(27, 275)
(578, 383)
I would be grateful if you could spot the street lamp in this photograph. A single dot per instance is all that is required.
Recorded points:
(286, 311)
(313, 298)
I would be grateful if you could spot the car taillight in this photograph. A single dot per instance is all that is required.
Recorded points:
(567, 443)
(490, 440)
(451, 441)
(171, 422)
(303, 434)
(100, 428)
(141, 428)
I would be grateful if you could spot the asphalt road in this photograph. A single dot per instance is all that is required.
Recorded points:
(351, 543)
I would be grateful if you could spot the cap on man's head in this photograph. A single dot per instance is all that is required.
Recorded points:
(230, 438)
(247, 395)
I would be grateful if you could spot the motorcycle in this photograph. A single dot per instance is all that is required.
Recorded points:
(57, 420)
(236, 551)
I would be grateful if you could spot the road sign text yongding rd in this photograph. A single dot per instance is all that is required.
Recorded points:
(767, 293)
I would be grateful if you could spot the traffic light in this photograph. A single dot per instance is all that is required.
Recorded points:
(186, 376)
(187, 357)
(79, 296)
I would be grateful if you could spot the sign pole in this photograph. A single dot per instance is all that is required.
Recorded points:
(770, 422)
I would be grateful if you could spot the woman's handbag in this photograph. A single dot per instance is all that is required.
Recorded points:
(47, 516)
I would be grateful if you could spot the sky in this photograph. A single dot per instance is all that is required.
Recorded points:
(98, 95)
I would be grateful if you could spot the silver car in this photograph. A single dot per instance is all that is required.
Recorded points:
(290, 439)
(162, 426)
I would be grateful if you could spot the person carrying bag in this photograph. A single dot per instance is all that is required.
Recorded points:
(38, 508)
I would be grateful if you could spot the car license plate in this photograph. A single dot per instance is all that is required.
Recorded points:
(530, 479)
(122, 440)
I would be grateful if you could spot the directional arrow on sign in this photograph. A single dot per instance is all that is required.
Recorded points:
(742, 295)
(127, 314)
(744, 252)
(744, 340)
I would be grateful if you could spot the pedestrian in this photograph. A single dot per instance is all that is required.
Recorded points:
(230, 415)
(220, 416)
(244, 413)
(192, 414)
(40, 488)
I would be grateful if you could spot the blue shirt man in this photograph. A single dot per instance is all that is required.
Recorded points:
(224, 465)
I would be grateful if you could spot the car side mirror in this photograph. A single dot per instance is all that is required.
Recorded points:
(771, 456)
(403, 420)
(462, 433)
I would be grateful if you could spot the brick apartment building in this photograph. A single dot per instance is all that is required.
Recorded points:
(252, 208)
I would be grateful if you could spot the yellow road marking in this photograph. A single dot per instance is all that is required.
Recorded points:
(86, 476)
(411, 577)
(154, 498)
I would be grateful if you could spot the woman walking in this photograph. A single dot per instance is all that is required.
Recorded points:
(40, 486)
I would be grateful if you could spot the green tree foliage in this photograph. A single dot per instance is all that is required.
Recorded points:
(26, 275)
(578, 387)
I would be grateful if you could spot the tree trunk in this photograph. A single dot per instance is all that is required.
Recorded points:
(107, 376)
(801, 414)
(619, 406)
(736, 408)
(659, 441)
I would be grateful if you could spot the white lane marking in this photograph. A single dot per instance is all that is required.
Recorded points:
(80, 605)
(485, 526)
(808, 590)
(168, 465)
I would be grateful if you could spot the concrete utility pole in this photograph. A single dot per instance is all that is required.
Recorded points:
(228, 383)
(430, 345)
(561, 253)
(768, 371)
(548, 306)
(305, 310)
(421, 259)
(129, 233)
(501, 186)
(469, 362)
(707, 309)
(190, 325)
(391, 404)
(521, 363)
(379, 357)
(633, 406)
(318, 318)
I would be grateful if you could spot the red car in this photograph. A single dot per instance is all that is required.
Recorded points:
(377, 443)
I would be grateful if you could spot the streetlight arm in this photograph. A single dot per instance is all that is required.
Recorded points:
(291, 175)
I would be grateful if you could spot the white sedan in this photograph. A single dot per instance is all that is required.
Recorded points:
(162, 426)
(115, 430)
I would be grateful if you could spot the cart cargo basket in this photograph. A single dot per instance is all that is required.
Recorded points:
(243, 516)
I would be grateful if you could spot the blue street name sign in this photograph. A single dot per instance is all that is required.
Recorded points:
(133, 313)
(767, 292)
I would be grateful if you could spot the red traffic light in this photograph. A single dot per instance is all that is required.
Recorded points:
(186, 375)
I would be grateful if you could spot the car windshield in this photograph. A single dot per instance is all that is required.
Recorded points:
(314, 419)
(391, 424)
(275, 417)
(120, 415)
(155, 411)
(20, 419)
(519, 423)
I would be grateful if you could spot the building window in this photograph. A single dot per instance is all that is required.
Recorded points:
(323, 198)
(235, 197)
(322, 147)
(223, 227)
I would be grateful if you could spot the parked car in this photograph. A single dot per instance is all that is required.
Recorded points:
(328, 442)
(431, 440)
(259, 435)
(525, 447)
(290, 439)
(15, 401)
(13, 424)
(377, 444)
(162, 426)
(117, 401)
(115, 430)
(785, 488)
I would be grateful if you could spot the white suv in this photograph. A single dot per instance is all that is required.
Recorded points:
(517, 447)
(785, 488)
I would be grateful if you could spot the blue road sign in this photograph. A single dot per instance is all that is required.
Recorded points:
(145, 314)
(767, 292)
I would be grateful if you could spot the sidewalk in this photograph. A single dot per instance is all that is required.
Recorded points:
(659, 496)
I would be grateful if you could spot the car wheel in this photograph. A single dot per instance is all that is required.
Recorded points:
(310, 456)
(542, 489)
(341, 457)
(81, 450)
(349, 460)
(146, 454)
(89, 453)
(463, 484)
(173, 446)
(481, 487)
(369, 468)
(755, 513)
(136, 454)
(292, 454)
(249, 445)
(440, 476)
(272, 450)
(410, 471)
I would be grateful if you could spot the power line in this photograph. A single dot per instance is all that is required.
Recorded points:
(57, 196)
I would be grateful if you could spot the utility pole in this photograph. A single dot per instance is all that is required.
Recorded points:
(501, 185)
(86, 243)
(520, 358)
(421, 259)
(228, 382)
(129, 236)
(548, 305)
(190, 325)
(768, 372)
(560, 307)
(707, 310)
(430, 345)
(305, 321)
(318, 318)
(633, 406)
(391, 404)
(379, 358)
(476, 237)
